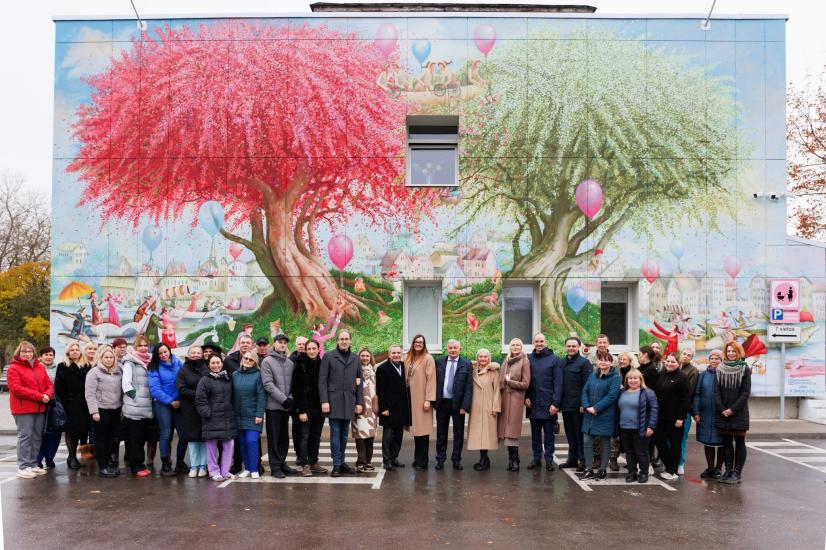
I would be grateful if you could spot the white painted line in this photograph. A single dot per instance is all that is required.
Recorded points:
(809, 459)
(756, 447)
(378, 479)
(784, 443)
(801, 451)
(326, 480)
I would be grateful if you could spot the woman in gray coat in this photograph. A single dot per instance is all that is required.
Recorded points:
(104, 398)
(139, 426)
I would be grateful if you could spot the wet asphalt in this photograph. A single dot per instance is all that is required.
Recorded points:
(780, 505)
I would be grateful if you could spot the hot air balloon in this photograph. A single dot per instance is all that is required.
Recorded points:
(152, 237)
(732, 266)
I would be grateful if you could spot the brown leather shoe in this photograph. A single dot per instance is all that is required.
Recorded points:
(318, 469)
(305, 471)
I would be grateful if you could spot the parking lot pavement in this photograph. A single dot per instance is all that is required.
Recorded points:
(779, 505)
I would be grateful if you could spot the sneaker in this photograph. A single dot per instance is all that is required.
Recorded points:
(708, 473)
(668, 476)
(305, 471)
(255, 475)
(601, 474)
(143, 473)
(317, 469)
(218, 477)
(39, 471)
(26, 473)
(587, 474)
(244, 473)
(202, 471)
(193, 473)
(232, 476)
(681, 470)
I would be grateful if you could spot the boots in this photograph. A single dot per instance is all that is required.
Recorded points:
(151, 450)
(166, 467)
(484, 462)
(735, 477)
(515, 460)
(510, 459)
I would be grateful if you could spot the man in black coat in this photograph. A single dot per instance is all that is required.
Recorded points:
(394, 406)
(454, 390)
(575, 372)
(543, 400)
(232, 362)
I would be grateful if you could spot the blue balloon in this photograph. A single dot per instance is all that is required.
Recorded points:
(576, 298)
(152, 236)
(677, 249)
(211, 217)
(421, 50)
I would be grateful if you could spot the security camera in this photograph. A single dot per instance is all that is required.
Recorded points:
(775, 196)
(755, 195)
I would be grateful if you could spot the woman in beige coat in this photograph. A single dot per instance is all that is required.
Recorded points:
(514, 379)
(421, 380)
(363, 426)
(483, 409)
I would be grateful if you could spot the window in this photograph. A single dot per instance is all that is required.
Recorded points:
(432, 151)
(423, 313)
(520, 314)
(617, 318)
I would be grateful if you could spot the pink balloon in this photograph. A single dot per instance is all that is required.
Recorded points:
(235, 250)
(732, 266)
(386, 36)
(340, 250)
(485, 37)
(650, 269)
(589, 197)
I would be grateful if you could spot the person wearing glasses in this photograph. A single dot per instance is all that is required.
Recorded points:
(248, 402)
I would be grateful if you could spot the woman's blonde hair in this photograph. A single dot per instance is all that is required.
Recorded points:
(251, 355)
(635, 372)
(485, 351)
(632, 360)
(24, 344)
(66, 360)
(83, 361)
(140, 338)
(521, 344)
(99, 355)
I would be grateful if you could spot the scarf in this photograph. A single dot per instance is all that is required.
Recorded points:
(730, 373)
(144, 357)
(513, 360)
(219, 375)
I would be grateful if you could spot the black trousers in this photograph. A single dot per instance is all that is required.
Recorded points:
(136, 434)
(364, 448)
(734, 451)
(307, 437)
(669, 440)
(636, 450)
(391, 443)
(278, 438)
(105, 430)
(444, 414)
(421, 451)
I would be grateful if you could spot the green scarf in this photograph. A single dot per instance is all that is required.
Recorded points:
(729, 373)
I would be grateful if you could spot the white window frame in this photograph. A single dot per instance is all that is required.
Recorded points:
(537, 312)
(632, 321)
(432, 347)
(446, 143)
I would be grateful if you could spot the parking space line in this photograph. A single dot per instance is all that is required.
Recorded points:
(788, 448)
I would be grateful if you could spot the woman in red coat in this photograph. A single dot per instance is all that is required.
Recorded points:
(29, 390)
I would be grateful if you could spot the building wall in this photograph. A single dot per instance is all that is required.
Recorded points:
(590, 150)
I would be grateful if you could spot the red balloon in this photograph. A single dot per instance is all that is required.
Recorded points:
(650, 269)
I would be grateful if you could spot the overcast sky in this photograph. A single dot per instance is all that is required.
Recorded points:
(27, 55)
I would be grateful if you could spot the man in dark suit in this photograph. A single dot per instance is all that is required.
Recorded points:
(340, 389)
(394, 406)
(454, 389)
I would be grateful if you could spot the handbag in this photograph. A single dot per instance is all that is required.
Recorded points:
(55, 416)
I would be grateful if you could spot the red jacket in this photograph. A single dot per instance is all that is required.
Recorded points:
(27, 385)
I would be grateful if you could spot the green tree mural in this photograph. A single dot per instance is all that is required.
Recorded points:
(657, 132)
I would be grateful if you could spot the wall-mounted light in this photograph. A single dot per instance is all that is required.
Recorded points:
(705, 24)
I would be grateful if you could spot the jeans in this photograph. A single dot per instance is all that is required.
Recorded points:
(538, 426)
(391, 443)
(29, 434)
(307, 438)
(668, 439)
(105, 431)
(338, 439)
(444, 414)
(213, 466)
(605, 450)
(686, 429)
(636, 450)
(573, 433)
(167, 419)
(278, 438)
(249, 441)
(49, 445)
(197, 454)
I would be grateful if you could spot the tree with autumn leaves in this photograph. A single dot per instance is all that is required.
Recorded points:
(284, 126)
(806, 134)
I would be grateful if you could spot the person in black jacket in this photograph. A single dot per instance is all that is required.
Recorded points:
(394, 406)
(70, 388)
(649, 367)
(213, 399)
(232, 362)
(575, 372)
(454, 390)
(307, 436)
(187, 382)
(731, 400)
(543, 400)
(673, 395)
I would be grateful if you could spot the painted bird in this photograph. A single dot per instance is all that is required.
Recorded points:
(472, 322)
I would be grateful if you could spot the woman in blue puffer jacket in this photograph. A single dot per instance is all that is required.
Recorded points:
(166, 407)
(599, 401)
(638, 416)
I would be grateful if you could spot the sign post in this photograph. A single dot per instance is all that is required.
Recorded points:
(784, 316)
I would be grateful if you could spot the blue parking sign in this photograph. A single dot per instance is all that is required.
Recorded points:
(777, 315)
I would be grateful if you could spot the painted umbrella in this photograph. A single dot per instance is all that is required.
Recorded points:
(75, 289)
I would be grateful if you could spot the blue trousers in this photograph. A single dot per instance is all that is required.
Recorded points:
(687, 426)
(537, 439)
(49, 445)
(248, 440)
(338, 439)
(197, 454)
(573, 432)
(167, 419)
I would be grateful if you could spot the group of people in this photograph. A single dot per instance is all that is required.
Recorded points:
(219, 404)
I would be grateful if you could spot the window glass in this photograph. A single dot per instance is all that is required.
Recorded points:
(518, 315)
(432, 166)
(423, 313)
(614, 314)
